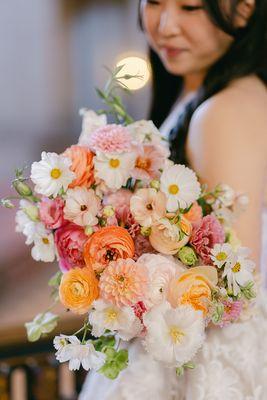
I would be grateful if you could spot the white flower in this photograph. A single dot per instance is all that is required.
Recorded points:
(82, 206)
(238, 270)
(181, 187)
(221, 253)
(79, 354)
(174, 335)
(226, 195)
(25, 224)
(145, 132)
(51, 174)
(44, 247)
(117, 319)
(225, 216)
(161, 269)
(91, 122)
(114, 169)
(42, 324)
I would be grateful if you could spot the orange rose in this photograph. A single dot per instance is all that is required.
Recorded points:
(164, 236)
(195, 214)
(108, 244)
(82, 165)
(193, 287)
(78, 289)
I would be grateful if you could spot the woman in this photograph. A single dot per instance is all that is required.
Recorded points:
(211, 57)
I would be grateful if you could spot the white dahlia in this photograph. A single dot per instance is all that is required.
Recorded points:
(181, 187)
(51, 174)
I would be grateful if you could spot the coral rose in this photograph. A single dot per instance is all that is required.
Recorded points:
(193, 288)
(78, 289)
(108, 244)
(70, 240)
(168, 238)
(82, 166)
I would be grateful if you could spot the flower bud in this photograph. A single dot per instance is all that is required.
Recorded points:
(108, 211)
(145, 231)
(155, 184)
(88, 230)
(42, 324)
(187, 255)
(32, 212)
(22, 188)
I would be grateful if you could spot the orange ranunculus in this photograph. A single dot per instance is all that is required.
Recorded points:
(82, 165)
(194, 215)
(108, 244)
(164, 239)
(78, 289)
(193, 287)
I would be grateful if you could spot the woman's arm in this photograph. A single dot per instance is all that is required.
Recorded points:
(227, 143)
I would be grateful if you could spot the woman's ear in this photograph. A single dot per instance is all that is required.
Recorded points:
(244, 11)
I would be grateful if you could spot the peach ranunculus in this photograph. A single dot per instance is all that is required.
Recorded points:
(193, 288)
(166, 237)
(147, 206)
(194, 215)
(108, 244)
(82, 166)
(78, 289)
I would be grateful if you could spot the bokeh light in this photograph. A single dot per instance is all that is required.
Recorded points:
(134, 65)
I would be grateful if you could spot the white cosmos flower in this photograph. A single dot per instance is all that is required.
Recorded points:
(114, 169)
(221, 253)
(181, 187)
(174, 335)
(239, 270)
(44, 247)
(91, 122)
(161, 269)
(51, 174)
(78, 354)
(117, 319)
(82, 206)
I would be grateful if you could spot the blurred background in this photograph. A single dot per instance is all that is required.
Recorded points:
(53, 54)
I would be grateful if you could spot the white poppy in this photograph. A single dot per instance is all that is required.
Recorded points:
(181, 187)
(82, 206)
(51, 174)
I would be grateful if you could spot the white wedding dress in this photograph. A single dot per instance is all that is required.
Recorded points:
(232, 365)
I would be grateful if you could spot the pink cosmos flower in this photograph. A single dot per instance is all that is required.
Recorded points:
(118, 199)
(142, 245)
(70, 240)
(205, 235)
(148, 206)
(150, 159)
(110, 139)
(124, 282)
(127, 221)
(232, 311)
(51, 212)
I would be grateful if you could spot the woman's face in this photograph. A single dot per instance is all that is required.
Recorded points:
(182, 34)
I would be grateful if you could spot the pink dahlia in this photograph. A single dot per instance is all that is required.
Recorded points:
(126, 220)
(205, 235)
(110, 139)
(232, 311)
(124, 282)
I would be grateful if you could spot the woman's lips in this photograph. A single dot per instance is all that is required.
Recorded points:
(171, 52)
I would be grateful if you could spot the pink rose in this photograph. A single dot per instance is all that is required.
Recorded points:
(51, 212)
(70, 240)
(205, 235)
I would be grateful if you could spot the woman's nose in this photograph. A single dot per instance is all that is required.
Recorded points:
(169, 23)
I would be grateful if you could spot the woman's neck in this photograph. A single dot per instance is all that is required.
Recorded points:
(192, 82)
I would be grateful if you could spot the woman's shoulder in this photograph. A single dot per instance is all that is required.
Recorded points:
(238, 109)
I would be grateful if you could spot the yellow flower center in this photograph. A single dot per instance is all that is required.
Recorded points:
(45, 240)
(221, 256)
(55, 173)
(114, 163)
(63, 342)
(77, 289)
(111, 315)
(173, 189)
(176, 334)
(236, 267)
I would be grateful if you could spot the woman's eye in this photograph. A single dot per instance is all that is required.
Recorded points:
(154, 2)
(192, 8)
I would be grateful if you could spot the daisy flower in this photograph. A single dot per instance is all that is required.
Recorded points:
(181, 187)
(221, 253)
(82, 206)
(173, 334)
(51, 174)
(114, 169)
(117, 319)
(44, 247)
(71, 349)
(238, 270)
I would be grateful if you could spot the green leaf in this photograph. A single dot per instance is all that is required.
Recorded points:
(55, 280)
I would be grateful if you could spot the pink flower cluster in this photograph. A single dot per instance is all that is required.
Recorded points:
(110, 139)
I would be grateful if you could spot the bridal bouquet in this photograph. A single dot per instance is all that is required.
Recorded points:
(144, 251)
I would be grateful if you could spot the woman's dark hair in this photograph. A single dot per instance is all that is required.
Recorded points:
(246, 55)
